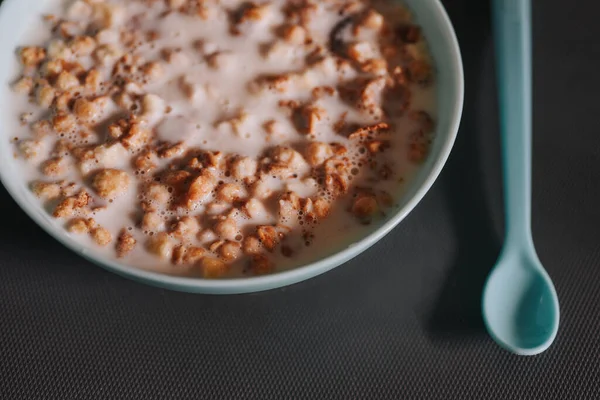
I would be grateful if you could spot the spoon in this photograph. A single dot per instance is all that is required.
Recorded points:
(520, 305)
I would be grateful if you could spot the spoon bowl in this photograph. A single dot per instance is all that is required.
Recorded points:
(520, 305)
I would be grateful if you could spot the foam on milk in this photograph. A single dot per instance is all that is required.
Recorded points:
(220, 94)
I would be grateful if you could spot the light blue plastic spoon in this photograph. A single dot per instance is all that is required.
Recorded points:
(520, 305)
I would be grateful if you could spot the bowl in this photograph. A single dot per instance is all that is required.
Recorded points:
(16, 17)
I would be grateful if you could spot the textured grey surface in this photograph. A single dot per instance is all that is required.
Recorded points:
(400, 322)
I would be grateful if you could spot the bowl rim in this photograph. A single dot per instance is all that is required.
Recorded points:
(282, 278)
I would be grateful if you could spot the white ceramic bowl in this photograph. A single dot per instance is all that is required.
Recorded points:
(16, 17)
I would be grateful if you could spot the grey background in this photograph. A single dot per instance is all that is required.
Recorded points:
(402, 321)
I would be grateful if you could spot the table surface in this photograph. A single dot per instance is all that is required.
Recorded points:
(401, 321)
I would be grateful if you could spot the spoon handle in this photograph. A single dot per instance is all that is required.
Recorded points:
(512, 32)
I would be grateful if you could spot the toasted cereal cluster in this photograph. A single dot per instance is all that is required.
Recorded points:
(219, 136)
